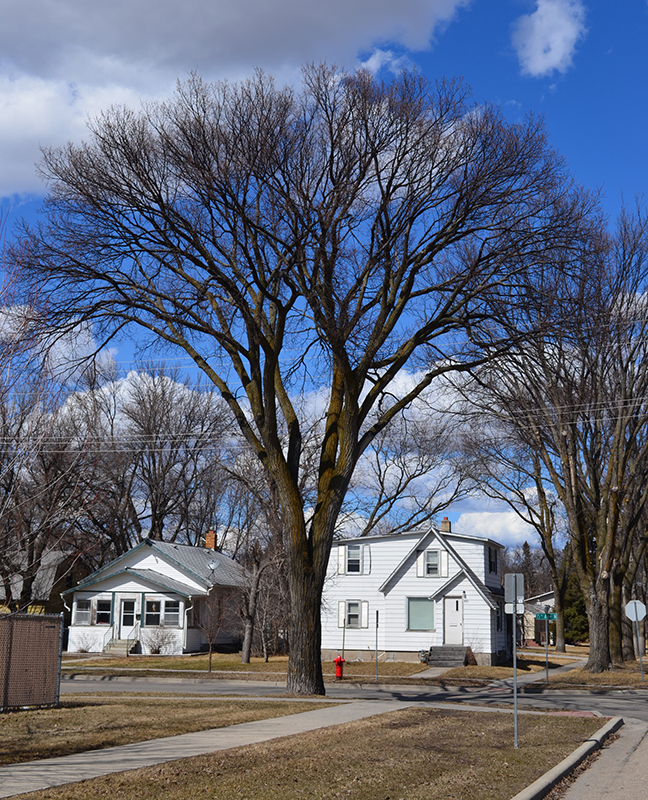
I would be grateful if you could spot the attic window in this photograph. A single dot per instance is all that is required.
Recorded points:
(432, 563)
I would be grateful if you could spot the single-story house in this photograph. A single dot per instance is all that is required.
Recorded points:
(158, 597)
(534, 630)
(414, 592)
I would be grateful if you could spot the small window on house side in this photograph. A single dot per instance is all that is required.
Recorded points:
(152, 612)
(103, 612)
(353, 614)
(354, 555)
(492, 559)
(83, 610)
(432, 563)
(420, 614)
(171, 613)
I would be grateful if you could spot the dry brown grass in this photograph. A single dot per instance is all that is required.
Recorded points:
(418, 754)
(627, 675)
(276, 666)
(526, 664)
(90, 724)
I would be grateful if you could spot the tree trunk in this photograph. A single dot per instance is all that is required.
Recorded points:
(211, 648)
(597, 614)
(559, 608)
(627, 632)
(305, 657)
(614, 621)
(250, 614)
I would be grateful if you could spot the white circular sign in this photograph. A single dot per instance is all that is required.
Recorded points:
(635, 610)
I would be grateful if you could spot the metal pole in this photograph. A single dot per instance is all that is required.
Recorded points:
(515, 709)
(376, 647)
(546, 650)
(639, 648)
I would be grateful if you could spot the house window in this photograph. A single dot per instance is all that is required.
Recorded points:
(420, 614)
(354, 555)
(353, 614)
(152, 616)
(172, 613)
(104, 608)
(492, 559)
(432, 563)
(83, 611)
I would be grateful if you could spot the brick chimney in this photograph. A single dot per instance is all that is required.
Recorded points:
(446, 525)
(210, 540)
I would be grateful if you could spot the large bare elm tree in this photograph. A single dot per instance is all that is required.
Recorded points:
(320, 240)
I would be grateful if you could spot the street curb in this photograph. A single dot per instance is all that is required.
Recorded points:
(541, 788)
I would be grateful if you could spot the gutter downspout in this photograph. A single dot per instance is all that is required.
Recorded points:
(184, 637)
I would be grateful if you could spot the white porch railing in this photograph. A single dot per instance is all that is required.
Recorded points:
(109, 635)
(133, 637)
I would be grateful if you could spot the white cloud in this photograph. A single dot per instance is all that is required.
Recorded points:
(503, 526)
(546, 39)
(62, 61)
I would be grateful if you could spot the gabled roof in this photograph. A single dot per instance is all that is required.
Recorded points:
(192, 561)
(464, 570)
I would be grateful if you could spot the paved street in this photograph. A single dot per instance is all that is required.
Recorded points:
(626, 703)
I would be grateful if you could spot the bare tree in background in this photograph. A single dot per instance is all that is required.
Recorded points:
(577, 398)
(330, 238)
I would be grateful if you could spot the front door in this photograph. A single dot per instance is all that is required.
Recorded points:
(453, 620)
(127, 618)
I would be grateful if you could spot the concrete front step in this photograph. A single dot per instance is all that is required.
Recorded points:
(120, 647)
(447, 656)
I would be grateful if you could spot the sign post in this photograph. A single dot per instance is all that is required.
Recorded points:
(376, 646)
(635, 610)
(514, 597)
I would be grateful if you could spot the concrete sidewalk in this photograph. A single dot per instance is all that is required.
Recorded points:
(35, 775)
(621, 769)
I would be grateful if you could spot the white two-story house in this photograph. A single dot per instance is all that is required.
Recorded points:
(411, 592)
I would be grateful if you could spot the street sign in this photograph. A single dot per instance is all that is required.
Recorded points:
(514, 588)
(635, 610)
(546, 616)
(508, 608)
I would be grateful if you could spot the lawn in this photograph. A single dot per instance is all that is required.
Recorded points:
(627, 675)
(276, 667)
(416, 753)
(526, 664)
(90, 724)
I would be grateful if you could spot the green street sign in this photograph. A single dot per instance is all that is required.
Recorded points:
(546, 616)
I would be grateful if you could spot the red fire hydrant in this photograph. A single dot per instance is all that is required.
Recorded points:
(339, 668)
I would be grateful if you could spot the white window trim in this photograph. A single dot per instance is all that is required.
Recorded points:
(343, 610)
(407, 615)
(365, 559)
(421, 563)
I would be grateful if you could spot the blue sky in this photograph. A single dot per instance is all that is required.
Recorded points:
(581, 64)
